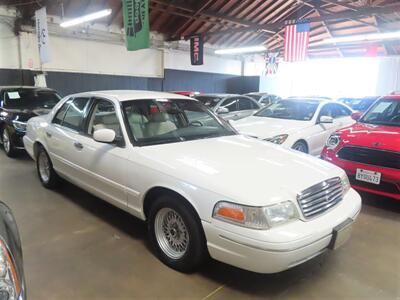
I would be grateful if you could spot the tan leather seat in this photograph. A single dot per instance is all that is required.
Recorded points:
(159, 123)
(137, 122)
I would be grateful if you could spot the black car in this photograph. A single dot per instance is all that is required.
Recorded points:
(359, 104)
(17, 106)
(12, 279)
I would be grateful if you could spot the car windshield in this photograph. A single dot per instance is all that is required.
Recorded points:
(290, 110)
(209, 101)
(161, 121)
(30, 98)
(383, 112)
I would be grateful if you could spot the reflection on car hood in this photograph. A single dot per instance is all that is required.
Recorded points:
(238, 168)
(368, 135)
(268, 127)
(25, 114)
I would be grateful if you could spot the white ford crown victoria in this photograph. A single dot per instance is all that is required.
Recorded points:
(204, 189)
(298, 123)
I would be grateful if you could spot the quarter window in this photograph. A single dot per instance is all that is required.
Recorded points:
(75, 113)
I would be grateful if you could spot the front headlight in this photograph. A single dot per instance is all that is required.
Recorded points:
(256, 217)
(345, 183)
(10, 284)
(333, 141)
(20, 126)
(279, 139)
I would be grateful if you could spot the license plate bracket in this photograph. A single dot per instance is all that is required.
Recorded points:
(340, 234)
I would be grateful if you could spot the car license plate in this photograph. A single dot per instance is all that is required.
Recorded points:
(368, 176)
(341, 234)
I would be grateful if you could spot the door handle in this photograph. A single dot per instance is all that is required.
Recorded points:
(78, 145)
(48, 134)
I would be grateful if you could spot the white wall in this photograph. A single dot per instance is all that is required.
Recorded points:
(84, 56)
(9, 57)
(99, 57)
(180, 60)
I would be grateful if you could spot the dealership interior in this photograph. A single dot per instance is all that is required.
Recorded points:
(199, 149)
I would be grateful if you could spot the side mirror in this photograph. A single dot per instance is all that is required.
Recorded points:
(325, 119)
(222, 110)
(104, 135)
(356, 115)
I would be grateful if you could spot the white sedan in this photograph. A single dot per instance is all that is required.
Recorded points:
(203, 189)
(299, 123)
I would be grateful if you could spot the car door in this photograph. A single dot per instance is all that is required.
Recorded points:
(231, 105)
(246, 107)
(105, 164)
(63, 139)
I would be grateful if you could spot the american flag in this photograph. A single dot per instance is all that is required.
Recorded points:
(296, 41)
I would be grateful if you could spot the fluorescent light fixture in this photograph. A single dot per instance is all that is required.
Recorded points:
(241, 50)
(87, 18)
(363, 38)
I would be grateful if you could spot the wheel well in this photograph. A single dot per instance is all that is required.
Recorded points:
(155, 192)
(36, 147)
(305, 143)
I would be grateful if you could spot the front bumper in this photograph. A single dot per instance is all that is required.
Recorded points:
(390, 179)
(279, 248)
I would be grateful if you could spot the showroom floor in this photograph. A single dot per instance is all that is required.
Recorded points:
(79, 247)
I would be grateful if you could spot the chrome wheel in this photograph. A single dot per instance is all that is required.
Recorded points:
(171, 233)
(44, 167)
(6, 141)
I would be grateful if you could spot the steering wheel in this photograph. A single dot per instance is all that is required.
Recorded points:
(196, 123)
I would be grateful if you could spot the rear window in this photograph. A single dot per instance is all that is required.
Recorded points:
(30, 98)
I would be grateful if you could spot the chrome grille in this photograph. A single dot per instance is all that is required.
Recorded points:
(320, 197)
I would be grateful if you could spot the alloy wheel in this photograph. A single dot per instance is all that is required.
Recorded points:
(171, 233)
(44, 167)
(6, 141)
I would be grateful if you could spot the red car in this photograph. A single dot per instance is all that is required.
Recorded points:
(186, 93)
(369, 151)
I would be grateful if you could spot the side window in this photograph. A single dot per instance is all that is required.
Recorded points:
(104, 116)
(230, 104)
(246, 104)
(341, 111)
(58, 119)
(75, 113)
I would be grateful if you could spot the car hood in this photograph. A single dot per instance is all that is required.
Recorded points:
(239, 168)
(368, 135)
(268, 127)
(24, 114)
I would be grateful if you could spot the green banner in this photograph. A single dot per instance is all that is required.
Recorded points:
(136, 24)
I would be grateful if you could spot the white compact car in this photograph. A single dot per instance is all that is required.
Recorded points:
(203, 189)
(298, 123)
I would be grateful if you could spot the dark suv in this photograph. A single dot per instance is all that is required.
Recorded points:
(17, 106)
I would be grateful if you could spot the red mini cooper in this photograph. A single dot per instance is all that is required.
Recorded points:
(369, 151)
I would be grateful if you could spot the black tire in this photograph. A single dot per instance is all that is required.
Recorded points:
(8, 144)
(300, 146)
(52, 180)
(196, 251)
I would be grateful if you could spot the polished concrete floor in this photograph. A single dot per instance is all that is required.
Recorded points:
(79, 247)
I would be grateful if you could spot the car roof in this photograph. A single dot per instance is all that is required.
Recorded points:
(308, 99)
(256, 94)
(126, 95)
(395, 97)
